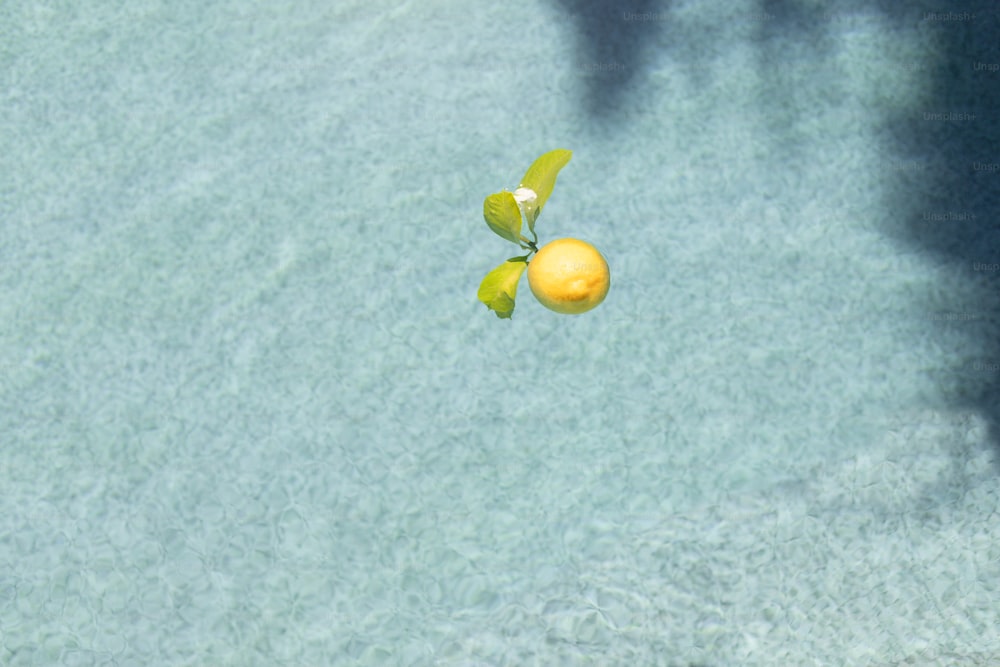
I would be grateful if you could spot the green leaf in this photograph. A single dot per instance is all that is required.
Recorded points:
(499, 287)
(541, 177)
(503, 216)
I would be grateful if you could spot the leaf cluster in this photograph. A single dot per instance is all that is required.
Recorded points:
(506, 213)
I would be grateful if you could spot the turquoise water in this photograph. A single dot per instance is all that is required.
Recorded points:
(252, 413)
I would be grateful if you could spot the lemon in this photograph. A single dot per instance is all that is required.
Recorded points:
(569, 276)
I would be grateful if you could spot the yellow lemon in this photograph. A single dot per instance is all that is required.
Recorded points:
(569, 276)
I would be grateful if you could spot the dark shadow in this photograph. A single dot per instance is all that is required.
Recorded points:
(613, 44)
(940, 172)
(940, 168)
(944, 174)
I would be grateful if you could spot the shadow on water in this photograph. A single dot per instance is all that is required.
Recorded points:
(613, 41)
(947, 195)
(941, 173)
(941, 169)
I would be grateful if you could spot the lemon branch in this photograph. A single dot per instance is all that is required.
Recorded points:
(505, 213)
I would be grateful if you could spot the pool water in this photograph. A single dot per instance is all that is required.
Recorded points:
(252, 413)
